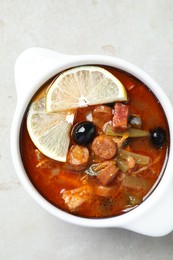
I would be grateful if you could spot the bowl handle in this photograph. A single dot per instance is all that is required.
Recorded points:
(33, 67)
(158, 220)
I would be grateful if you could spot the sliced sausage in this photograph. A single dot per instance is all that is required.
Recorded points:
(78, 157)
(120, 118)
(104, 147)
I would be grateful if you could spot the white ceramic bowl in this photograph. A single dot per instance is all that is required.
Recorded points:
(154, 217)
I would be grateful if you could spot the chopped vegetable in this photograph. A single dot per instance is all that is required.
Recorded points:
(122, 164)
(102, 165)
(131, 162)
(135, 121)
(133, 200)
(110, 131)
(42, 162)
(95, 169)
(125, 164)
(134, 182)
(119, 141)
(101, 115)
(131, 132)
(91, 171)
(139, 158)
(144, 168)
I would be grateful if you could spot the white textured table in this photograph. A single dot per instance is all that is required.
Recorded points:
(140, 32)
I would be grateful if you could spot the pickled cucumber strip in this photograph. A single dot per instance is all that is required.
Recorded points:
(131, 132)
(139, 158)
(122, 164)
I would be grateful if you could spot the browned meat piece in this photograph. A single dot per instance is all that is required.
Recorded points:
(76, 197)
(104, 147)
(108, 174)
(120, 118)
(101, 115)
(78, 157)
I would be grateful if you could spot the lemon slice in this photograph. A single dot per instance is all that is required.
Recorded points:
(83, 86)
(49, 132)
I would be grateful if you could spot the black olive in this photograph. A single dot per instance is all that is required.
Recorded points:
(84, 132)
(112, 104)
(158, 137)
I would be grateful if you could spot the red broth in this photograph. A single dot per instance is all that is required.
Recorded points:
(128, 189)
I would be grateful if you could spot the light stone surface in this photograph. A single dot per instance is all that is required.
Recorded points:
(138, 31)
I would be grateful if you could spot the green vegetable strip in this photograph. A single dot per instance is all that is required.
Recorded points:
(122, 164)
(139, 158)
(131, 132)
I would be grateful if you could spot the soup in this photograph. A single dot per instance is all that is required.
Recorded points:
(116, 156)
